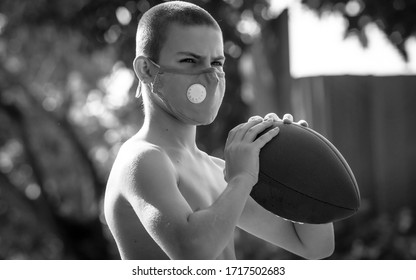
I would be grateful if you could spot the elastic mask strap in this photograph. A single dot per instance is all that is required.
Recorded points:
(139, 89)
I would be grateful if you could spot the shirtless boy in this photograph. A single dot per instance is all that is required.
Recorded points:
(165, 198)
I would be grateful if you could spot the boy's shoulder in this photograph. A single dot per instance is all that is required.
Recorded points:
(137, 151)
(135, 146)
(141, 157)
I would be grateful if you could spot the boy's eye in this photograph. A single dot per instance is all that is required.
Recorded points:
(217, 63)
(187, 60)
(194, 61)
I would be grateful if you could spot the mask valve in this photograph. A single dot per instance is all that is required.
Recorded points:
(196, 93)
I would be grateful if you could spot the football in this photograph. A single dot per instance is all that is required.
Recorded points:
(304, 178)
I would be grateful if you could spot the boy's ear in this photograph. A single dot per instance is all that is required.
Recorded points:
(143, 69)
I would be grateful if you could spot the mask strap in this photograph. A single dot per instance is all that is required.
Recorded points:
(139, 89)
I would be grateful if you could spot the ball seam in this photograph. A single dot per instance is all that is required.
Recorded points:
(264, 174)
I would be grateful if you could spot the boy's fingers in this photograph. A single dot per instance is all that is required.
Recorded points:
(303, 123)
(232, 133)
(272, 116)
(265, 138)
(287, 119)
(255, 118)
(253, 131)
(242, 130)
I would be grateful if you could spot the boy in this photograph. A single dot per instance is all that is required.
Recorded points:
(167, 199)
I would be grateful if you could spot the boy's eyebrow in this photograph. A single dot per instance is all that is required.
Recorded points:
(221, 57)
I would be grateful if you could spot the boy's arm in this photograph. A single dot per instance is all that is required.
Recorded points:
(179, 231)
(150, 185)
(306, 240)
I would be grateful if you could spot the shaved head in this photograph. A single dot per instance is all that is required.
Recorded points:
(154, 25)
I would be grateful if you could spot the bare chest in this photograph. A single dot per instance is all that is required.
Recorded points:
(201, 181)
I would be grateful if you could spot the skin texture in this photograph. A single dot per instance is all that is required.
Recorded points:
(165, 198)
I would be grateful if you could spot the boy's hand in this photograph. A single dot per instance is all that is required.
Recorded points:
(287, 119)
(242, 148)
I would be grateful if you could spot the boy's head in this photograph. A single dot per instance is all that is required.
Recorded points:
(176, 35)
(154, 25)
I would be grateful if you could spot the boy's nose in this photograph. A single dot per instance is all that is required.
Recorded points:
(205, 64)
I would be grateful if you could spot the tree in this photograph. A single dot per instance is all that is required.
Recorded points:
(395, 18)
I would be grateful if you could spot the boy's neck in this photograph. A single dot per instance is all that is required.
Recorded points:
(170, 132)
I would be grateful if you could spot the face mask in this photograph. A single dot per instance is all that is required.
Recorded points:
(192, 96)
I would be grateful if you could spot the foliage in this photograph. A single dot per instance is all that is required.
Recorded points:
(395, 18)
(381, 237)
(62, 122)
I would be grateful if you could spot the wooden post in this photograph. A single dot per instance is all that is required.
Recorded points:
(271, 65)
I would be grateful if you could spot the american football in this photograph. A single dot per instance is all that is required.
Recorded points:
(304, 178)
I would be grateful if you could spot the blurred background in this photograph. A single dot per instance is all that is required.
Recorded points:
(67, 104)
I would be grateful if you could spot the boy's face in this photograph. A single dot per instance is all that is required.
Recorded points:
(193, 98)
(192, 47)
